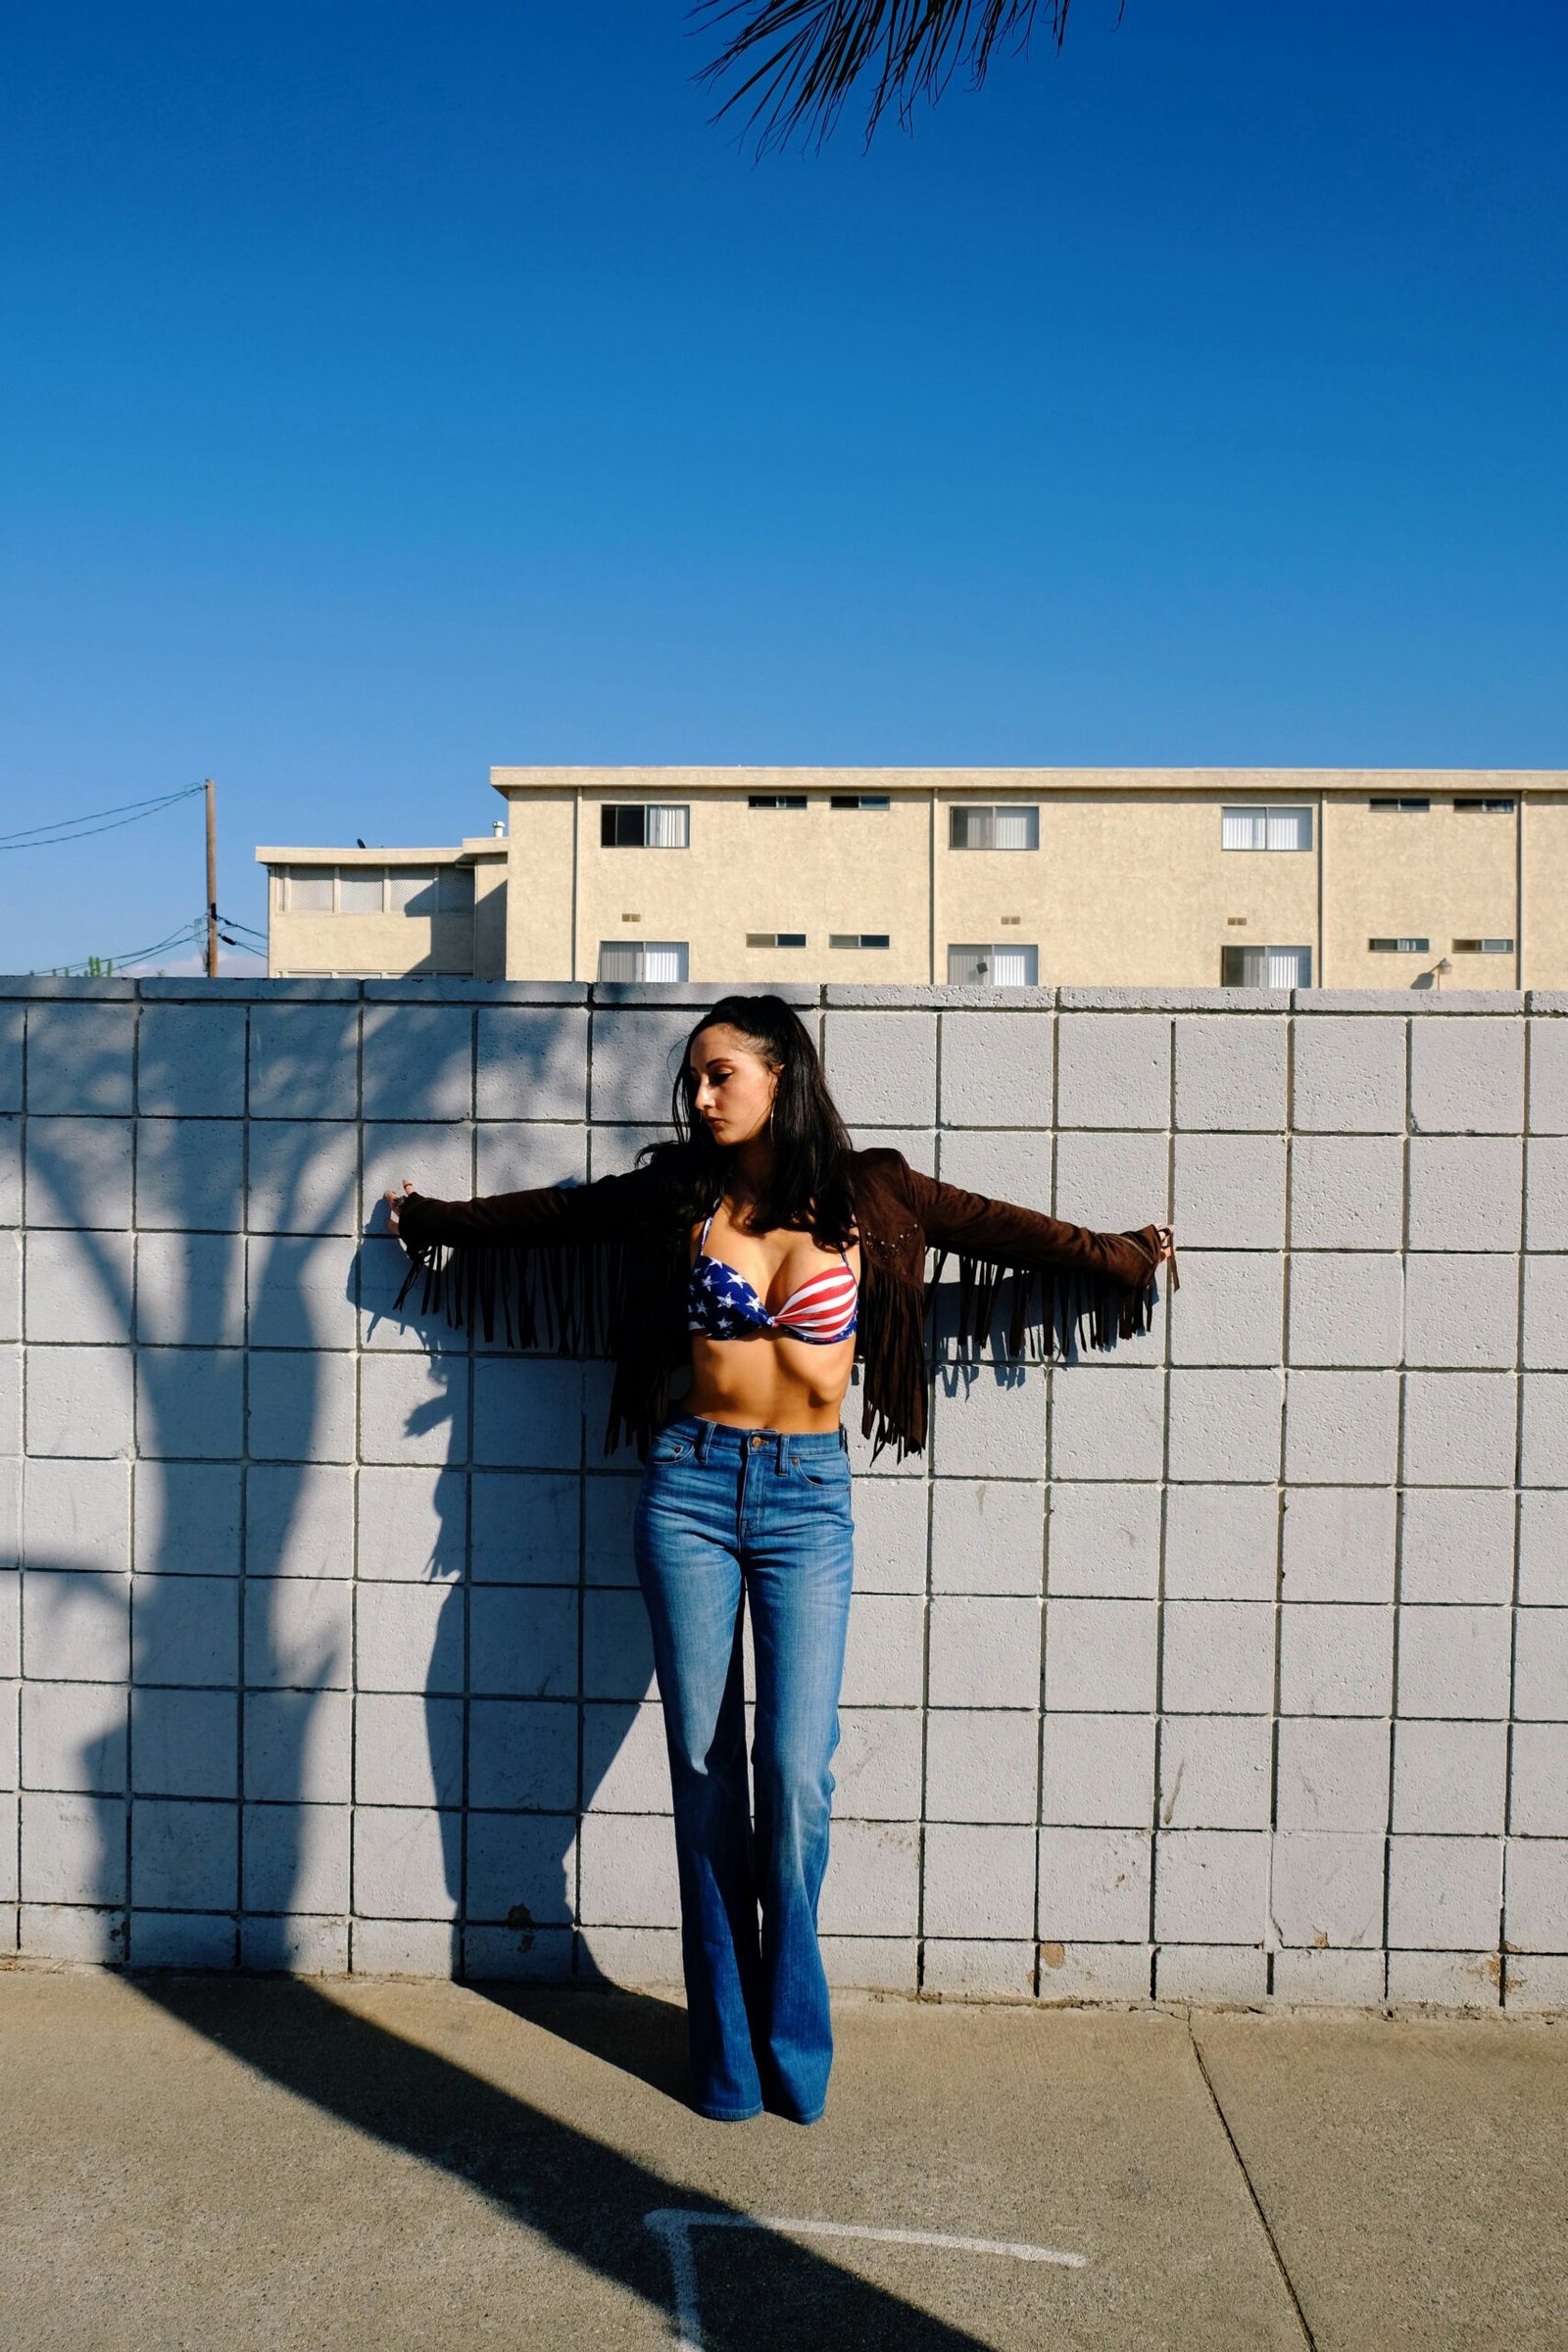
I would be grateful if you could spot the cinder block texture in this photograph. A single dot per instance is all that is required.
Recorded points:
(1346, 1192)
(1327, 1890)
(78, 1172)
(1548, 1077)
(190, 1175)
(304, 1054)
(1225, 1424)
(1349, 1075)
(1542, 1551)
(331, 1613)
(1545, 1331)
(1230, 1190)
(1342, 1426)
(1467, 1077)
(1459, 1428)
(1230, 1308)
(191, 1062)
(1346, 1309)
(1231, 1073)
(986, 1535)
(1462, 1312)
(1466, 1192)
(1114, 1179)
(1222, 1543)
(80, 1057)
(998, 1069)
(1104, 1540)
(1339, 1544)
(1215, 1773)
(1113, 1070)
(1211, 1887)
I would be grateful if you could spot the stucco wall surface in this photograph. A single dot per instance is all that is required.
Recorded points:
(1232, 1666)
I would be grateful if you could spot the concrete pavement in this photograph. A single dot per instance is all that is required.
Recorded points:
(212, 2162)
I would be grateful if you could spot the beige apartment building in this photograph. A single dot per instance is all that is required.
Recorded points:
(1000, 877)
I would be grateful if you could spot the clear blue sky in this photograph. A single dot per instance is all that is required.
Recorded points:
(388, 391)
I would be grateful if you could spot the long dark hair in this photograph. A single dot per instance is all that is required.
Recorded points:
(809, 1189)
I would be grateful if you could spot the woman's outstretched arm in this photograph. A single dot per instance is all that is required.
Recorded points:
(1005, 1235)
(544, 1216)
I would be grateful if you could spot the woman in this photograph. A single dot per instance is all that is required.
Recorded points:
(760, 1247)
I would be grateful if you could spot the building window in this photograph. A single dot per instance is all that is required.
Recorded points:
(860, 800)
(1411, 804)
(1266, 829)
(644, 825)
(859, 939)
(775, 939)
(1483, 946)
(775, 800)
(656, 959)
(1011, 966)
(1266, 967)
(1484, 806)
(361, 889)
(1399, 946)
(308, 890)
(410, 890)
(994, 828)
(377, 890)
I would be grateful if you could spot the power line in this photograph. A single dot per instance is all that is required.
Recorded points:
(116, 964)
(101, 820)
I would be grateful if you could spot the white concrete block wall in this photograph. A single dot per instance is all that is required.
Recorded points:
(1232, 1667)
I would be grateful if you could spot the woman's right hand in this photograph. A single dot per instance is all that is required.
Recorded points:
(394, 1202)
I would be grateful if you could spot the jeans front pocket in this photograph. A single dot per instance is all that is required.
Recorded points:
(827, 1470)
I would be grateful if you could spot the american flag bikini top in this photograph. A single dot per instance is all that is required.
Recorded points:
(724, 1306)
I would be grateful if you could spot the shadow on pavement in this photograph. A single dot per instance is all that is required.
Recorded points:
(633, 2032)
(586, 2198)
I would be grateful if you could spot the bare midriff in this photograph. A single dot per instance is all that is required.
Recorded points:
(769, 1381)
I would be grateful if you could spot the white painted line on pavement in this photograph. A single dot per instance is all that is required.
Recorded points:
(674, 2224)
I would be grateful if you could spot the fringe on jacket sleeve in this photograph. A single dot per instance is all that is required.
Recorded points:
(568, 1299)
(1052, 1311)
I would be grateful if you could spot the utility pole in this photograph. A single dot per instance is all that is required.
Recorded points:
(211, 881)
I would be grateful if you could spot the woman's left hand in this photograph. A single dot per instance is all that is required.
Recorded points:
(1165, 1235)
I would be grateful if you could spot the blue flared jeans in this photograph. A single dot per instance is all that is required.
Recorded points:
(729, 1519)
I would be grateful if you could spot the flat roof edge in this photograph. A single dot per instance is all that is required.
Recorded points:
(509, 779)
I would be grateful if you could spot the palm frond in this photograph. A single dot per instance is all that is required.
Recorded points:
(798, 60)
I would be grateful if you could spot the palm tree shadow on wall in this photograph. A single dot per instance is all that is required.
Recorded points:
(232, 1300)
(181, 1325)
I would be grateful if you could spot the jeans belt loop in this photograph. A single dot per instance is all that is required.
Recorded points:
(781, 1453)
(705, 1440)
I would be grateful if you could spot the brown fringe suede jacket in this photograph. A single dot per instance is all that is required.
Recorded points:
(601, 1270)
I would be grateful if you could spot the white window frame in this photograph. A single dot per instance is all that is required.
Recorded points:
(981, 817)
(1300, 976)
(641, 951)
(663, 816)
(1265, 825)
(989, 955)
